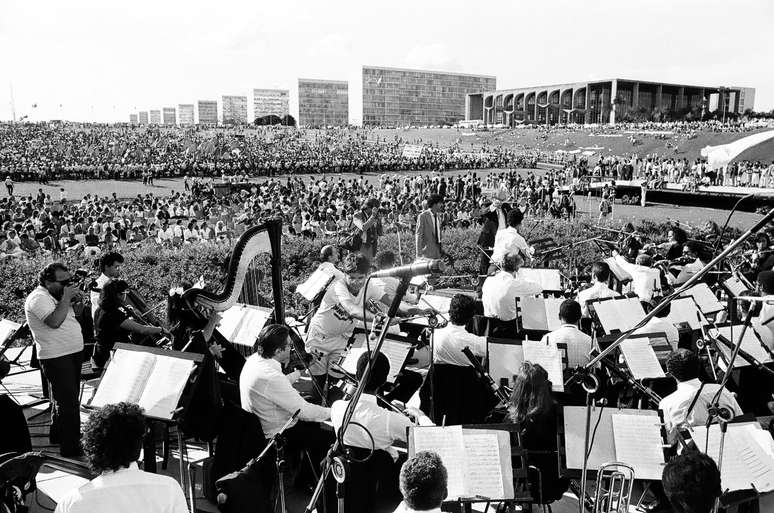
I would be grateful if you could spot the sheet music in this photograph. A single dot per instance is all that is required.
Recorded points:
(751, 344)
(314, 284)
(619, 272)
(505, 361)
(705, 298)
(242, 323)
(552, 306)
(441, 304)
(448, 442)
(533, 313)
(745, 462)
(8, 328)
(735, 286)
(638, 443)
(684, 309)
(619, 314)
(484, 476)
(549, 279)
(124, 378)
(641, 359)
(547, 356)
(396, 352)
(165, 385)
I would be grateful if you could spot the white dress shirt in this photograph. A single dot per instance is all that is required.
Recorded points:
(127, 490)
(578, 343)
(646, 281)
(403, 508)
(657, 325)
(94, 294)
(675, 405)
(500, 291)
(266, 392)
(506, 241)
(449, 341)
(385, 426)
(597, 291)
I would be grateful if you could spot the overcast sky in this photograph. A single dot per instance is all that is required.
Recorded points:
(102, 60)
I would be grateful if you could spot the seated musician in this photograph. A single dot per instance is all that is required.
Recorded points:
(629, 245)
(533, 408)
(112, 439)
(698, 258)
(765, 283)
(600, 273)
(423, 484)
(114, 322)
(269, 394)
(677, 239)
(334, 320)
(692, 482)
(689, 404)
(510, 240)
(763, 257)
(373, 485)
(578, 343)
(660, 324)
(453, 388)
(646, 281)
(499, 295)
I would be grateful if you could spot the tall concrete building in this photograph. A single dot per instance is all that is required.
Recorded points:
(155, 117)
(168, 113)
(186, 113)
(399, 97)
(602, 101)
(208, 112)
(268, 102)
(144, 117)
(234, 110)
(323, 102)
(133, 120)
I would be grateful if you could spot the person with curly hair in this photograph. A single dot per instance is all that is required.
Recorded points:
(112, 440)
(423, 483)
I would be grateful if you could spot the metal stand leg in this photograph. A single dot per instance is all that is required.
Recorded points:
(584, 470)
(281, 465)
(182, 457)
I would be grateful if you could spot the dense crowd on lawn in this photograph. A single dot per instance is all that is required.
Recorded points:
(46, 152)
(310, 207)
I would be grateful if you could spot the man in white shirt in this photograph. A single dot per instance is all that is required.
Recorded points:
(50, 310)
(268, 393)
(423, 484)
(692, 250)
(600, 272)
(646, 281)
(578, 343)
(110, 267)
(683, 365)
(374, 487)
(449, 341)
(499, 294)
(509, 239)
(112, 439)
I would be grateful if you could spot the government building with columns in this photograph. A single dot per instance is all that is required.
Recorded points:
(603, 101)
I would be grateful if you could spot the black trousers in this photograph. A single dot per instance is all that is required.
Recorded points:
(64, 377)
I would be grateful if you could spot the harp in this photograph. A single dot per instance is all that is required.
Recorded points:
(243, 284)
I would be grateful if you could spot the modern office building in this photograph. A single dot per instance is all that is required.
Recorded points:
(144, 117)
(323, 102)
(155, 117)
(208, 112)
(234, 110)
(186, 113)
(133, 120)
(603, 101)
(268, 102)
(400, 97)
(168, 113)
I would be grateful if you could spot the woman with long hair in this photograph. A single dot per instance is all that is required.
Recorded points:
(534, 409)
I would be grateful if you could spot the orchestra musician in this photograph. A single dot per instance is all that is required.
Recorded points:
(499, 295)
(486, 240)
(423, 484)
(115, 322)
(629, 245)
(692, 482)
(698, 258)
(110, 269)
(334, 320)
(269, 394)
(578, 343)
(453, 390)
(534, 410)
(689, 404)
(677, 238)
(762, 258)
(600, 273)
(509, 239)
(373, 485)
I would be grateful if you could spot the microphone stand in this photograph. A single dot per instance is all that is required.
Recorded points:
(278, 440)
(336, 451)
(583, 372)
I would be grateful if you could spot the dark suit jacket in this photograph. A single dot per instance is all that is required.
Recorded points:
(428, 245)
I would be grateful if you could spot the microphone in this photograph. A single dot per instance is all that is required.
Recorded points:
(415, 269)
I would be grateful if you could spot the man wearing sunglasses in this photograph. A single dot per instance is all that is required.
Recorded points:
(50, 311)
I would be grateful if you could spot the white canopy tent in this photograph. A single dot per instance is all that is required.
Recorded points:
(719, 156)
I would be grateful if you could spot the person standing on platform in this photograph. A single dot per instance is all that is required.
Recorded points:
(50, 310)
(428, 233)
(368, 221)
